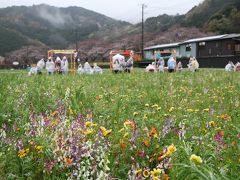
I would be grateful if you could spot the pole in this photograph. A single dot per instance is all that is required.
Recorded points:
(76, 39)
(143, 6)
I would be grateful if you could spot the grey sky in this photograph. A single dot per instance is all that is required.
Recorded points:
(128, 10)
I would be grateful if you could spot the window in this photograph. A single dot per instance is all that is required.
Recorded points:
(237, 47)
(210, 51)
(201, 44)
(188, 47)
(229, 47)
(217, 45)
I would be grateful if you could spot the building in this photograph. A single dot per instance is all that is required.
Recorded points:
(166, 49)
(213, 51)
(190, 47)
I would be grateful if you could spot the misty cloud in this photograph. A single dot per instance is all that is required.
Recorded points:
(54, 16)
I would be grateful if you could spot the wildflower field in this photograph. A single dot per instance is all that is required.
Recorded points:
(120, 126)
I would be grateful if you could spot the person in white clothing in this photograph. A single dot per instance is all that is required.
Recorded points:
(64, 65)
(97, 69)
(161, 64)
(87, 68)
(229, 66)
(50, 66)
(80, 69)
(40, 66)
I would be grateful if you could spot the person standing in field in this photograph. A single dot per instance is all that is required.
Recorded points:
(50, 66)
(64, 65)
(58, 65)
(172, 62)
(129, 63)
(40, 66)
(161, 64)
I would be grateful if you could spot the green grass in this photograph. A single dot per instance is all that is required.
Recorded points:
(181, 102)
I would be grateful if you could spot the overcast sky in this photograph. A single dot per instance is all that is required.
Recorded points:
(128, 10)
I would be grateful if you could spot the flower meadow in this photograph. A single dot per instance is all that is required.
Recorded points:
(120, 126)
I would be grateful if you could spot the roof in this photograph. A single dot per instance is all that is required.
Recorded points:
(162, 46)
(229, 36)
(209, 38)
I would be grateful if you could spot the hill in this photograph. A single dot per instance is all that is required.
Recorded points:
(218, 16)
(54, 27)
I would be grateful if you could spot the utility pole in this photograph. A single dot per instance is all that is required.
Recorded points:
(143, 6)
(76, 39)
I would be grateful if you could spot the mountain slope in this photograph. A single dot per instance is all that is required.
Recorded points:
(53, 26)
(220, 16)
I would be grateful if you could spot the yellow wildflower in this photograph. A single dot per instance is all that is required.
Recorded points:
(89, 131)
(126, 134)
(145, 116)
(22, 153)
(146, 105)
(206, 110)
(155, 106)
(135, 113)
(156, 172)
(189, 110)
(170, 150)
(90, 124)
(171, 109)
(105, 132)
(196, 159)
(146, 173)
(39, 148)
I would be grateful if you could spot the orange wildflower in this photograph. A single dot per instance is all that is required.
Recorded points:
(213, 124)
(68, 161)
(161, 153)
(165, 177)
(160, 159)
(146, 143)
(153, 133)
(99, 97)
(123, 145)
(221, 133)
(129, 123)
(225, 117)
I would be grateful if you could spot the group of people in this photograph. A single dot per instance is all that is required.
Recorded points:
(172, 65)
(87, 69)
(120, 65)
(231, 67)
(59, 66)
